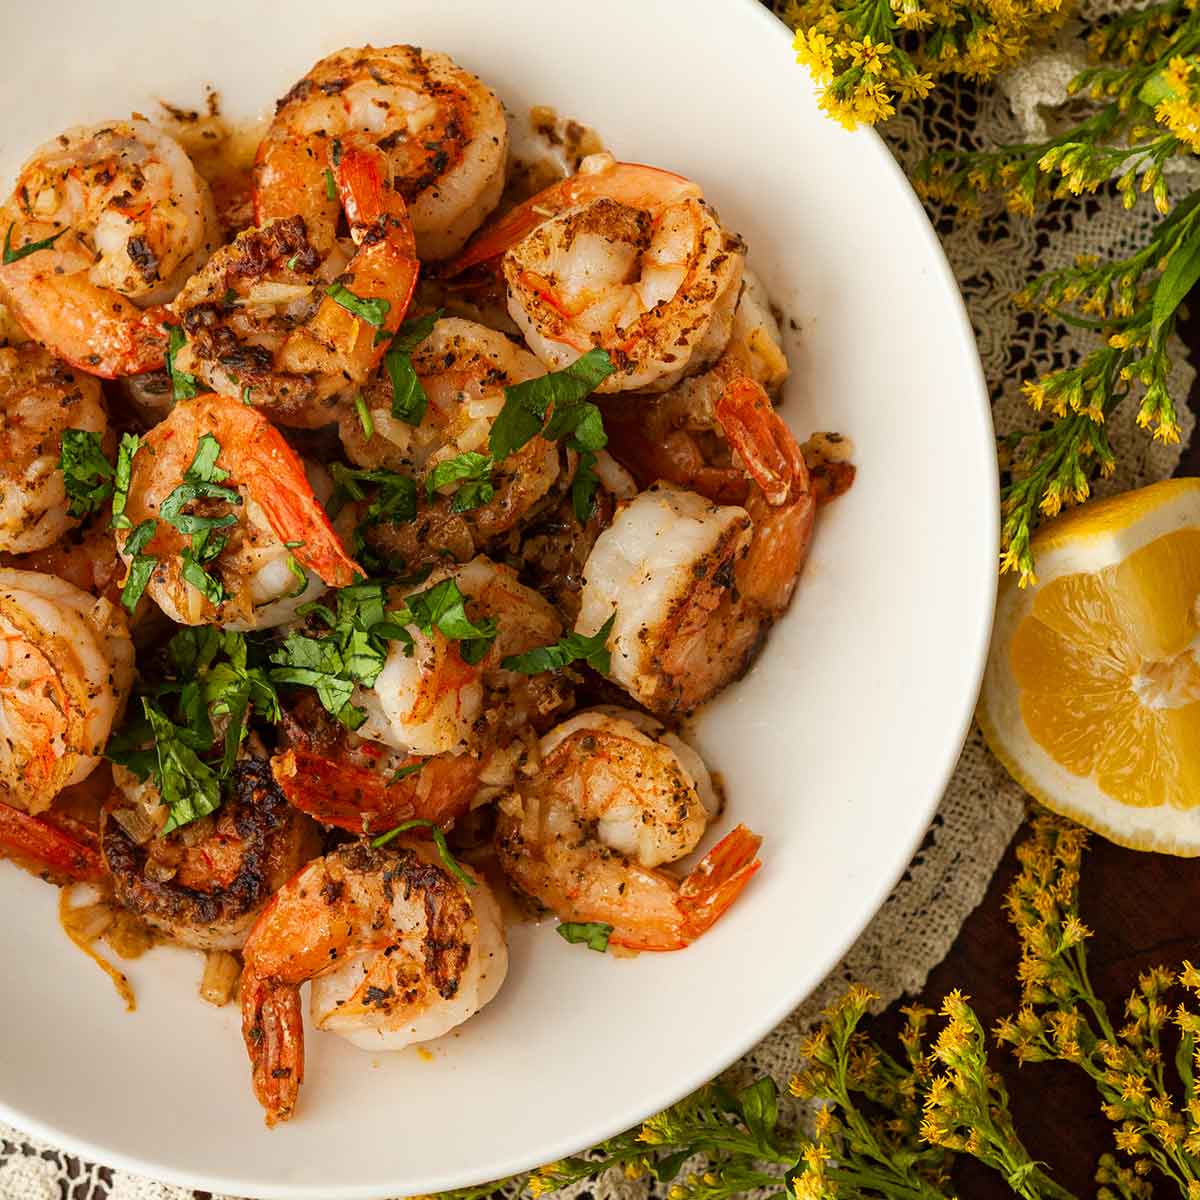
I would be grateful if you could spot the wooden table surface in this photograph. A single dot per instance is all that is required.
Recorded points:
(1144, 911)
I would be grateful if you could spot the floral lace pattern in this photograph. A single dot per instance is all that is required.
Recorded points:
(992, 258)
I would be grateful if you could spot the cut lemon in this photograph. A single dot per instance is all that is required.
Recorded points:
(1092, 692)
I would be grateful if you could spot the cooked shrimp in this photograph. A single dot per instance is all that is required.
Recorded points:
(611, 804)
(44, 849)
(428, 700)
(205, 885)
(696, 585)
(264, 508)
(630, 259)
(398, 949)
(86, 557)
(40, 397)
(130, 220)
(66, 666)
(464, 369)
(263, 326)
(443, 132)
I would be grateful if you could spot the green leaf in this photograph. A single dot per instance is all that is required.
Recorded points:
(188, 786)
(130, 443)
(1156, 89)
(193, 649)
(211, 588)
(439, 840)
(87, 474)
(201, 481)
(526, 404)
(373, 311)
(475, 469)
(330, 186)
(1180, 276)
(404, 772)
(1184, 1057)
(141, 566)
(593, 934)
(583, 487)
(183, 385)
(759, 1104)
(581, 423)
(443, 607)
(12, 256)
(409, 401)
(571, 647)
(364, 416)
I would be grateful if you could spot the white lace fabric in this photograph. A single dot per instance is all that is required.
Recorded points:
(982, 808)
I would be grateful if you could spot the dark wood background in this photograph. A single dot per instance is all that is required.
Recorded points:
(1144, 912)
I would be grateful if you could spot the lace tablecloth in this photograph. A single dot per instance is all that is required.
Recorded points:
(992, 259)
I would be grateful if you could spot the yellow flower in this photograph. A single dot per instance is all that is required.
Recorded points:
(869, 55)
(815, 51)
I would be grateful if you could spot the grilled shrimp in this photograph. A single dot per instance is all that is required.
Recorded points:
(40, 397)
(443, 132)
(625, 257)
(439, 733)
(614, 800)
(273, 321)
(66, 666)
(696, 584)
(86, 557)
(205, 885)
(464, 368)
(398, 949)
(264, 526)
(130, 220)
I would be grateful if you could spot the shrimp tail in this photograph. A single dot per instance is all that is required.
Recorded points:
(768, 449)
(273, 1029)
(280, 488)
(717, 880)
(58, 854)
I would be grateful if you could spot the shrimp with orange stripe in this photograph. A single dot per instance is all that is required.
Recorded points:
(105, 224)
(621, 256)
(222, 507)
(274, 322)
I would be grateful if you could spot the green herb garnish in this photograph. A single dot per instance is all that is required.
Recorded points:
(130, 443)
(183, 385)
(404, 772)
(571, 647)
(12, 256)
(473, 470)
(364, 416)
(141, 566)
(330, 186)
(373, 311)
(439, 840)
(409, 400)
(87, 474)
(443, 607)
(592, 934)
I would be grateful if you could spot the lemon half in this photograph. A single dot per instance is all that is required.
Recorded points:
(1091, 697)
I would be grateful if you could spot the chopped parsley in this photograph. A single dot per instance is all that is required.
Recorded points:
(409, 401)
(130, 444)
(439, 840)
(443, 607)
(592, 934)
(571, 647)
(364, 416)
(373, 311)
(87, 474)
(395, 499)
(183, 385)
(525, 406)
(173, 740)
(583, 487)
(405, 771)
(472, 471)
(330, 186)
(141, 566)
(12, 256)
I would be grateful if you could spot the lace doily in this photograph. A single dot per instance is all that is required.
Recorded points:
(992, 259)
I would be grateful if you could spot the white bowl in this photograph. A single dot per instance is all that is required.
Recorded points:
(835, 748)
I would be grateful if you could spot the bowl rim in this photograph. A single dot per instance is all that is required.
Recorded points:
(986, 551)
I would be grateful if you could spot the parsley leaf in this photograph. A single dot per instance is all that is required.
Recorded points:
(593, 934)
(472, 468)
(373, 311)
(526, 404)
(130, 444)
(330, 187)
(409, 400)
(439, 840)
(583, 487)
(203, 480)
(571, 647)
(364, 416)
(183, 385)
(87, 474)
(395, 500)
(189, 787)
(12, 256)
(405, 771)
(141, 566)
(443, 607)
